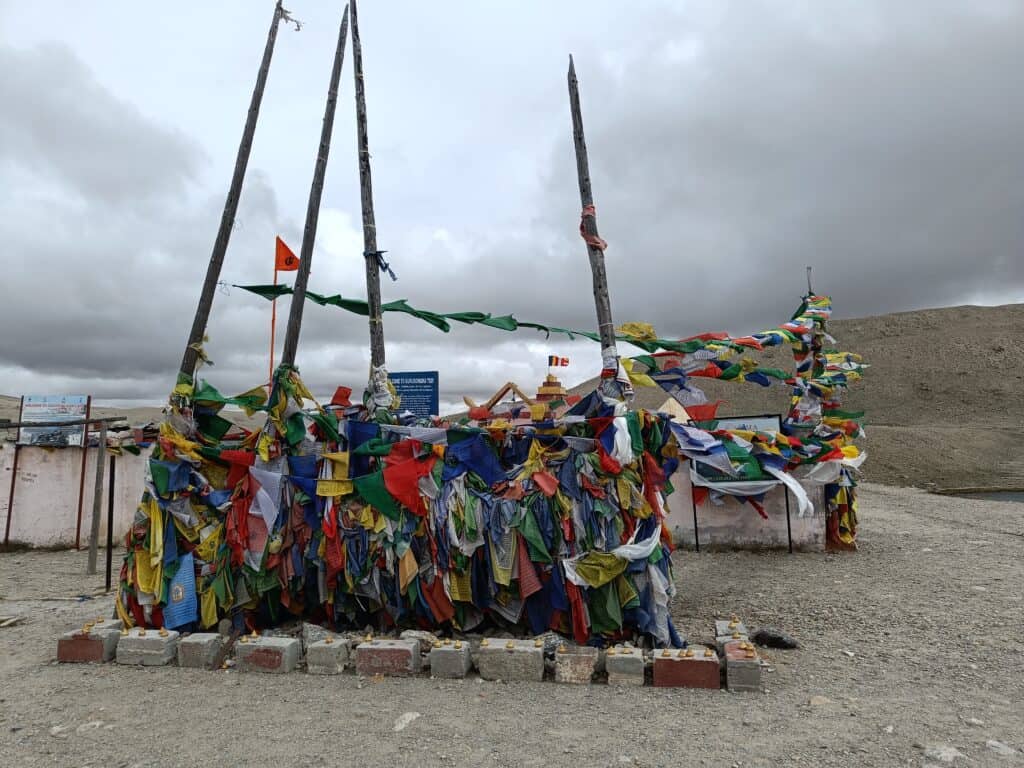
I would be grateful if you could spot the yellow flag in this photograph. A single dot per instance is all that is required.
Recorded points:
(333, 487)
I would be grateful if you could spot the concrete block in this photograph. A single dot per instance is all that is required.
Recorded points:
(693, 667)
(328, 656)
(451, 660)
(721, 640)
(725, 627)
(575, 664)
(199, 650)
(275, 655)
(394, 658)
(625, 666)
(148, 647)
(97, 645)
(503, 658)
(742, 666)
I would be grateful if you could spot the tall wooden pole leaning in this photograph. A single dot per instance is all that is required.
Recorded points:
(291, 339)
(595, 248)
(378, 380)
(227, 219)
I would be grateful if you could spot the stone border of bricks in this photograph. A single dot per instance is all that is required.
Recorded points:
(732, 662)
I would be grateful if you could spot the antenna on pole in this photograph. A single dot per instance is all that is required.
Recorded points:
(291, 339)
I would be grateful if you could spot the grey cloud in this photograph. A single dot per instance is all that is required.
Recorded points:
(731, 144)
(62, 123)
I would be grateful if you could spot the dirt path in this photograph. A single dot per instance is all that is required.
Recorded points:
(930, 609)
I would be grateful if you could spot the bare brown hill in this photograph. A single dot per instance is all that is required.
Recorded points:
(944, 395)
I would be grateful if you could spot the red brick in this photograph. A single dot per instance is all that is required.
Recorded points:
(680, 670)
(96, 646)
(267, 654)
(394, 658)
(79, 648)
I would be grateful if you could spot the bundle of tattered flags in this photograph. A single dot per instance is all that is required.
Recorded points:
(347, 515)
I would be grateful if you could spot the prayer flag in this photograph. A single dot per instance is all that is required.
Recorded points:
(284, 259)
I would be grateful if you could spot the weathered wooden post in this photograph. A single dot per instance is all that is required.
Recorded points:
(379, 394)
(227, 219)
(291, 339)
(97, 499)
(612, 384)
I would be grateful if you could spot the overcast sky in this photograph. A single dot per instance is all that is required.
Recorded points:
(731, 144)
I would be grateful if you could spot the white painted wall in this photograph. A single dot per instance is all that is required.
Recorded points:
(736, 524)
(45, 507)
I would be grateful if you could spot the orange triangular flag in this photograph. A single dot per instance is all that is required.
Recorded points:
(284, 259)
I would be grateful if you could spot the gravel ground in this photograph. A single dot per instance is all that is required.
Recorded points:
(911, 654)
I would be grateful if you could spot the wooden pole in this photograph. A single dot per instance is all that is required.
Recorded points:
(291, 339)
(110, 520)
(14, 472)
(273, 326)
(227, 220)
(81, 473)
(10, 498)
(97, 499)
(595, 246)
(370, 252)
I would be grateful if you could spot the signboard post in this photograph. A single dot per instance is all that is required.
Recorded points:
(54, 408)
(50, 408)
(418, 390)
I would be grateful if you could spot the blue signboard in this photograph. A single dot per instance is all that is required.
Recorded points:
(418, 390)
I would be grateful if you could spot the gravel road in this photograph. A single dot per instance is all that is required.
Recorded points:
(911, 654)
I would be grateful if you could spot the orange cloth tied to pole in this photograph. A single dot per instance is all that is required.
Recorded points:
(593, 240)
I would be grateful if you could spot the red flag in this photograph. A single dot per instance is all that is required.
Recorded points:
(284, 259)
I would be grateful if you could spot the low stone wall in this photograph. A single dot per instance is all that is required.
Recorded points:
(45, 510)
(736, 524)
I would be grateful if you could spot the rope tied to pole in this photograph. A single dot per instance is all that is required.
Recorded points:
(383, 265)
(594, 240)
